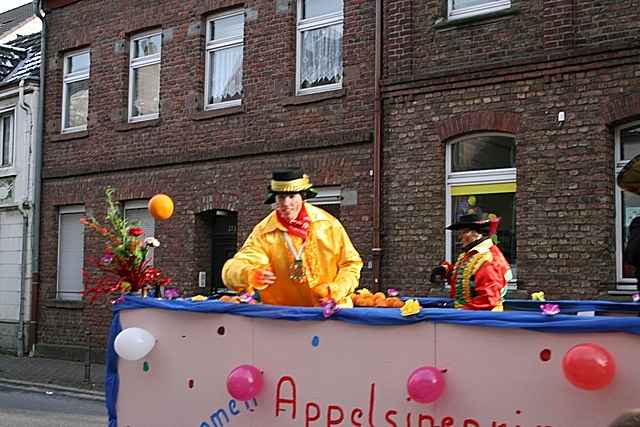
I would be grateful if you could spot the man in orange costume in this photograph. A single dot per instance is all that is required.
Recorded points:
(480, 275)
(297, 255)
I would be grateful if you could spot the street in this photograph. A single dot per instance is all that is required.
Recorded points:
(20, 408)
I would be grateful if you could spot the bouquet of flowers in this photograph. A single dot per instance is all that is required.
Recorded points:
(124, 264)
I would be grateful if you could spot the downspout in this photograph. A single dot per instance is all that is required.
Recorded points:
(377, 153)
(37, 178)
(25, 225)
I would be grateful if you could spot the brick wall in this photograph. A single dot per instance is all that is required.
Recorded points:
(204, 161)
(512, 73)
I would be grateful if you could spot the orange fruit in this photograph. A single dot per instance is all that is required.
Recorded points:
(161, 207)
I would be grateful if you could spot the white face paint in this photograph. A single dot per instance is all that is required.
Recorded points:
(289, 205)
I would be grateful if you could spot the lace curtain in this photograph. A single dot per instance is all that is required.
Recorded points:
(146, 90)
(321, 60)
(77, 103)
(225, 83)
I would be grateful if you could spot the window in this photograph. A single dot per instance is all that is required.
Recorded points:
(6, 139)
(144, 76)
(75, 91)
(627, 204)
(465, 8)
(319, 46)
(136, 211)
(70, 253)
(481, 178)
(223, 67)
(329, 199)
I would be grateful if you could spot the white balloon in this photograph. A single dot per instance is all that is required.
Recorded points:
(134, 343)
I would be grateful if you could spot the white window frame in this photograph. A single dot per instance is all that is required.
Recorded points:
(135, 63)
(622, 283)
(63, 210)
(488, 7)
(72, 78)
(12, 142)
(455, 179)
(303, 25)
(214, 45)
(140, 205)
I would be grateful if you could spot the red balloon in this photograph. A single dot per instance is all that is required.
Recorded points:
(589, 366)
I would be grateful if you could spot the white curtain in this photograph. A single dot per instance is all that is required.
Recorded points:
(225, 83)
(77, 103)
(146, 90)
(321, 61)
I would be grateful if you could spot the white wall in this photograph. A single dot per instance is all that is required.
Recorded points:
(20, 175)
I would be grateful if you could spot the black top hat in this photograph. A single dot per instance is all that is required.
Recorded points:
(471, 221)
(289, 180)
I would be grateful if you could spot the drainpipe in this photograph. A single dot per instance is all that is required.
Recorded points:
(25, 225)
(37, 177)
(377, 153)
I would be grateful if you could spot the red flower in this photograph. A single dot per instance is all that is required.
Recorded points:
(84, 221)
(136, 231)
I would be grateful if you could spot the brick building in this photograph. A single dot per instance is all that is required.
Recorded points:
(525, 109)
(199, 100)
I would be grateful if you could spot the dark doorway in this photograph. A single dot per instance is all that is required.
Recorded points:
(216, 242)
(224, 243)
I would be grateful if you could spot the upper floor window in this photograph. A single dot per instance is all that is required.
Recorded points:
(6, 139)
(481, 179)
(144, 76)
(465, 8)
(319, 46)
(223, 67)
(627, 146)
(75, 91)
(70, 253)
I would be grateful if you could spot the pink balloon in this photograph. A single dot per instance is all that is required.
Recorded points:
(244, 382)
(589, 366)
(425, 384)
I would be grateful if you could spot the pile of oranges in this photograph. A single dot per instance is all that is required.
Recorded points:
(364, 298)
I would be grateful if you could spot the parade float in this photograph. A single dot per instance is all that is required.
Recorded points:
(207, 362)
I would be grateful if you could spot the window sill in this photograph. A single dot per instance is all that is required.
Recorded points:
(444, 24)
(69, 136)
(65, 304)
(8, 171)
(125, 127)
(218, 112)
(314, 97)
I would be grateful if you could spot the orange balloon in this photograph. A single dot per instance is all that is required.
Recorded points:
(161, 207)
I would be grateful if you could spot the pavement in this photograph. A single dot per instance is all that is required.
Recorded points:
(53, 376)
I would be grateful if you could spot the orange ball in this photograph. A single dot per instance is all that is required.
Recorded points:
(161, 207)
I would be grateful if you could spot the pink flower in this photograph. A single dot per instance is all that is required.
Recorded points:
(136, 231)
(550, 309)
(329, 307)
(392, 292)
(171, 293)
(635, 296)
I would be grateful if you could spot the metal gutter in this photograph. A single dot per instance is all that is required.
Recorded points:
(376, 250)
(38, 8)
